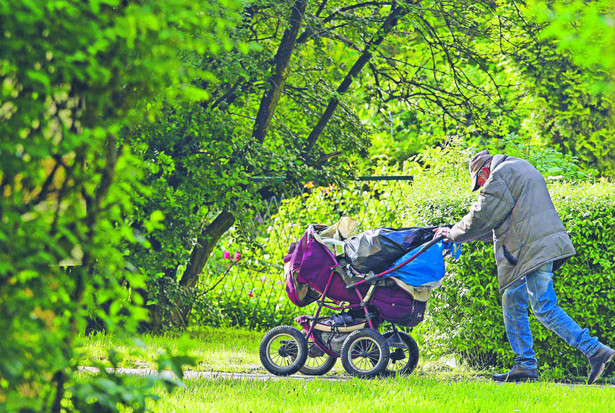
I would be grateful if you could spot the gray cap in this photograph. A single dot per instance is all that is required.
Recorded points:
(477, 162)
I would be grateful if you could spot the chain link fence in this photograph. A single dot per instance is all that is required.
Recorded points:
(253, 294)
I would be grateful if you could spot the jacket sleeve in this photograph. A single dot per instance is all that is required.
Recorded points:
(495, 203)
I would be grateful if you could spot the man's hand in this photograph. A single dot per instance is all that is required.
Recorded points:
(441, 231)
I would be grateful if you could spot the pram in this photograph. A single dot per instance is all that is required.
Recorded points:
(363, 301)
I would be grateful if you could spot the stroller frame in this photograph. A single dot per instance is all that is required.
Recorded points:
(363, 301)
(362, 337)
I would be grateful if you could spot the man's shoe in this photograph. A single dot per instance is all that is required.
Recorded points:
(598, 362)
(517, 373)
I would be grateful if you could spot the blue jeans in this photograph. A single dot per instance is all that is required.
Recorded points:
(537, 289)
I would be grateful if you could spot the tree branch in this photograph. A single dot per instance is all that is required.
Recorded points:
(47, 184)
(206, 242)
(272, 94)
(388, 25)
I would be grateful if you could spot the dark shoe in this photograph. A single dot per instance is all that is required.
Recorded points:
(518, 373)
(598, 362)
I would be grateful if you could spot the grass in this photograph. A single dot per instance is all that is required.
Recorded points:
(382, 395)
(233, 350)
(228, 350)
(434, 386)
(221, 349)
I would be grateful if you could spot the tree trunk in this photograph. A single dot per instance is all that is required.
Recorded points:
(157, 311)
(208, 238)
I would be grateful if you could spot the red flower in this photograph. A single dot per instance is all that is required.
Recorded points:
(250, 294)
(237, 257)
(227, 255)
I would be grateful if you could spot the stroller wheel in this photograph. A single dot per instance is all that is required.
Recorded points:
(365, 353)
(404, 353)
(283, 350)
(318, 362)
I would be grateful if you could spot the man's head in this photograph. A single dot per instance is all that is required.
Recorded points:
(480, 168)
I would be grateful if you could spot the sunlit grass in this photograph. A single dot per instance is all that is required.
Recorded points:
(434, 386)
(224, 349)
(229, 350)
(234, 350)
(382, 395)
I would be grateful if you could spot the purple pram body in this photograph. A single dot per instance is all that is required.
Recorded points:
(310, 270)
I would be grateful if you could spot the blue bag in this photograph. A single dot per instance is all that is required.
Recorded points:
(428, 267)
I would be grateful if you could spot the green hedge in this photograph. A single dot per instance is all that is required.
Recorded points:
(465, 315)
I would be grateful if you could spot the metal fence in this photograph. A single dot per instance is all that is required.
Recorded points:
(253, 292)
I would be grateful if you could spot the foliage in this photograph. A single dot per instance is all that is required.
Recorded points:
(583, 29)
(108, 389)
(74, 74)
(473, 72)
(550, 82)
(171, 298)
(553, 165)
(567, 80)
(562, 107)
(293, 101)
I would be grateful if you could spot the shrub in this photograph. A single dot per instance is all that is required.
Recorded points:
(76, 75)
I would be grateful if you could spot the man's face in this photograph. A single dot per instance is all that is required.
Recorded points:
(483, 175)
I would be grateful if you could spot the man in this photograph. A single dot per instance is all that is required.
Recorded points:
(515, 209)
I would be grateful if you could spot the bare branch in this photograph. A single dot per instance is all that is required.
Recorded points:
(45, 189)
(310, 33)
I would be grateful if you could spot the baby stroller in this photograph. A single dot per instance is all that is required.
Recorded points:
(357, 279)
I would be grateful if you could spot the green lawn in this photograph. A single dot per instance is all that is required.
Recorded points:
(433, 387)
(226, 350)
(223, 350)
(384, 395)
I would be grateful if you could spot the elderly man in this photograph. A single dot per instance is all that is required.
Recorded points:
(515, 209)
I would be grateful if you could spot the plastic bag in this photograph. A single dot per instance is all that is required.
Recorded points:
(427, 268)
(376, 249)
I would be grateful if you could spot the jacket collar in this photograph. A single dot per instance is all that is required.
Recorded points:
(497, 160)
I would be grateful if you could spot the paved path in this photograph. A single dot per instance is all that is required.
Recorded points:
(189, 374)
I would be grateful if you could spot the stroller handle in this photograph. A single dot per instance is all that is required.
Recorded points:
(432, 243)
(424, 248)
